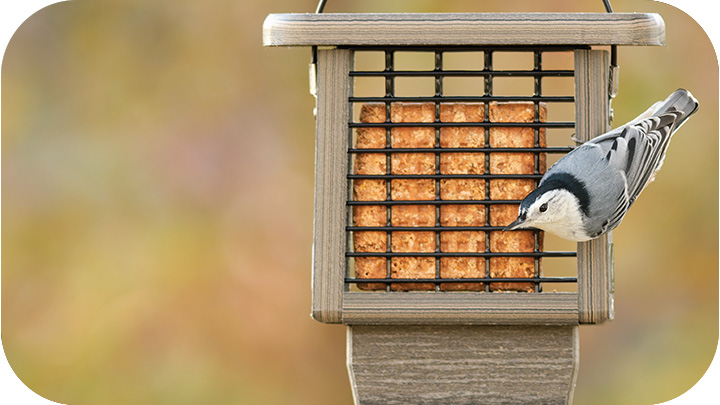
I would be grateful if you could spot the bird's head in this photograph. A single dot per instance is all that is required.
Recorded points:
(555, 210)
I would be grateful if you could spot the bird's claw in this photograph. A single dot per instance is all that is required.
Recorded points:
(577, 141)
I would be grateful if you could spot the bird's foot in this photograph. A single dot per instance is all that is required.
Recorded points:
(578, 142)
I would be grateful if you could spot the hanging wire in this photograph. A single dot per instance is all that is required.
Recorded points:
(608, 7)
(613, 48)
(318, 10)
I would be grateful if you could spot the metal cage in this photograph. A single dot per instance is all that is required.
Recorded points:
(385, 295)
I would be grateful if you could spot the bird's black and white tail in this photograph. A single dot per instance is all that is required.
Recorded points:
(651, 136)
(681, 100)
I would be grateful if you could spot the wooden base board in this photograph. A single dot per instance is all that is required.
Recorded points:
(462, 364)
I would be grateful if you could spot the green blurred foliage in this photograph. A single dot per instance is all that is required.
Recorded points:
(157, 179)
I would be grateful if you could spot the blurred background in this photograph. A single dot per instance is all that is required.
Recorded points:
(157, 193)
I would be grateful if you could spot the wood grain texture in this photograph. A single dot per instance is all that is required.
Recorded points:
(464, 308)
(330, 184)
(594, 259)
(464, 29)
(462, 364)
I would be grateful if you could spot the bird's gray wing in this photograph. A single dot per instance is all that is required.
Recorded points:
(635, 152)
(640, 150)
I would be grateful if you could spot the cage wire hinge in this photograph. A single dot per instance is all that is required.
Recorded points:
(312, 72)
(614, 79)
(313, 77)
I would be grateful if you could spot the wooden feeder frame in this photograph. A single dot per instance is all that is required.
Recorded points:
(336, 35)
(447, 347)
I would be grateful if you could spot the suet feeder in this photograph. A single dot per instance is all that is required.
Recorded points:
(430, 130)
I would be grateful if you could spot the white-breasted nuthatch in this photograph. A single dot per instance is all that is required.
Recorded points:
(588, 191)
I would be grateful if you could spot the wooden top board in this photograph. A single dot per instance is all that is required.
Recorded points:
(338, 29)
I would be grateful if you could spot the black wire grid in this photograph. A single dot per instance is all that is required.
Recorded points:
(487, 73)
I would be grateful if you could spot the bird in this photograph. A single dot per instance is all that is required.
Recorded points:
(587, 192)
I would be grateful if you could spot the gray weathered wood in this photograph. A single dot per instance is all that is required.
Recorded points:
(330, 184)
(595, 283)
(462, 364)
(465, 308)
(464, 29)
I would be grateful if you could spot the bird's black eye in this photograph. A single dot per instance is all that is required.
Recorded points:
(543, 207)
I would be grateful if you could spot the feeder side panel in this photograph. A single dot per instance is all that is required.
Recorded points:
(594, 260)
(330, 184)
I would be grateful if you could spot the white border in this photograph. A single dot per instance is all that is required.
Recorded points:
(707, 390)
(14, 13)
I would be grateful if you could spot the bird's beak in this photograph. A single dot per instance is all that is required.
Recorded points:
(516, 224)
